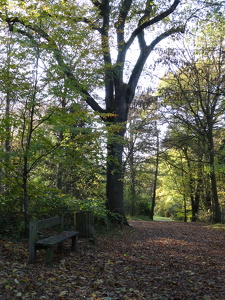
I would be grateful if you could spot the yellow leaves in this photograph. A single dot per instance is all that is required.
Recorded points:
(28, 9)
(108, 115)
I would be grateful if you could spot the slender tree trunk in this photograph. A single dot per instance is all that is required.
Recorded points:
(194, 189)
(132, 177)
(191, 189)
(195, 204)
(197, 194)
(25, 194)
(184, 194)
(132, 182)
(185, 208)
(28, 128)
(155, 177)
(133, 192)
(215, 199)
(59, 171)
(7, 127)
(207, 194)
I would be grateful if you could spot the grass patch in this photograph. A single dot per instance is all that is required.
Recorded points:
(146, 218)
(218, 226)
(158, 218)
(139, 218)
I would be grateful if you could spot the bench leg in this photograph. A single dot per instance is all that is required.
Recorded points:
(74, 242)
(49, 256)
(32, 254)
(60, 246)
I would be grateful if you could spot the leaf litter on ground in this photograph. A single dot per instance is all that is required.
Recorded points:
(146, 260)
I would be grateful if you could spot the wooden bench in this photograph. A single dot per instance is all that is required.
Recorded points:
(50, 242)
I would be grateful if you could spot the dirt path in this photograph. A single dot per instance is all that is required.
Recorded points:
(149, 260)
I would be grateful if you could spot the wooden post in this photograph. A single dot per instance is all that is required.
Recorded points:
(85, 223)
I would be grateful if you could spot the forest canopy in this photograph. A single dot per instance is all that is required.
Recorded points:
(81, 130)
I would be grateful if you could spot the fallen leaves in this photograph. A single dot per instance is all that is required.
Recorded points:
(150, 260)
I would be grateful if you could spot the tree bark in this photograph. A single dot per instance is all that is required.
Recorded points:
(115, 147)
(155, 177)
(114, 183)
(215, 199)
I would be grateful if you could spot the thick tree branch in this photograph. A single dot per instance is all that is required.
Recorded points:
(104, 11)
(97, 4)
(59, 58)
(125, 8)
(136, 73)
(76, 85)
(155, 20)
(119, 25)
(145, 18)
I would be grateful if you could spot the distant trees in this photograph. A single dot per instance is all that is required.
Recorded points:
(142, 156)
(194, 91)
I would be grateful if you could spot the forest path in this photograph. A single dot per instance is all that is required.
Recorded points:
(148, 260)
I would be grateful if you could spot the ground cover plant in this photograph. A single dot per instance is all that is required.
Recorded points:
(148, 260)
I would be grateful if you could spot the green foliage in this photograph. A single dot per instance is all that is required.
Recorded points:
(159, 218)
(205, 216)
(144, 208)
(55, 55)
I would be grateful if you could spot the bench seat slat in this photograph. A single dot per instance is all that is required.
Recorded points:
(56, 239)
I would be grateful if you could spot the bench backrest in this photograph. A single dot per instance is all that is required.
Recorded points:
(43, 224)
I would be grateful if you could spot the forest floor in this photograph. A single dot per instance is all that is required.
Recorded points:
(148, 260)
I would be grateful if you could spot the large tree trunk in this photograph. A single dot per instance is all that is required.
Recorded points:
(114, 184)
(115, 167)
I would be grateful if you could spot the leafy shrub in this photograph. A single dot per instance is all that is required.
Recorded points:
(204, 216)
(144, 208)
